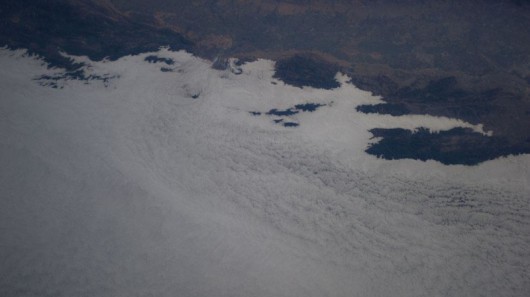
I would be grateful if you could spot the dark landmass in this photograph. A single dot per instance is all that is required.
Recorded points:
(220, 64)
(308, 107)
(281, 116)
(442, 97)
(286, 112)
(224, 64)
(156, 59)
(456, 146)
(79, 27)
(460, 59)
(303, 71)
(394, 109)
(53, 80)
(451, 100)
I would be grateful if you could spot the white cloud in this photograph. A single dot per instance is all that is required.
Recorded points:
(137, 189)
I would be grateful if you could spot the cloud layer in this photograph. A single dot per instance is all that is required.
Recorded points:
(161, 183)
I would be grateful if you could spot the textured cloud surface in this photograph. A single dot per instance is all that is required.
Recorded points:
(162, 183)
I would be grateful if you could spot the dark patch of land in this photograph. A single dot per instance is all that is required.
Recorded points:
(456, 146)
(394, 109)
(286, 112)
(79, 27)
(52, 80)
(304, 70)
(220, 64)
(444, 97)
(283, 115)
(308, 107)
(156, 59)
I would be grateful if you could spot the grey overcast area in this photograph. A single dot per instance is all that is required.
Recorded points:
(256, 148)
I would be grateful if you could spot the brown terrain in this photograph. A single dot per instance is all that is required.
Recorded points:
(463, 59)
